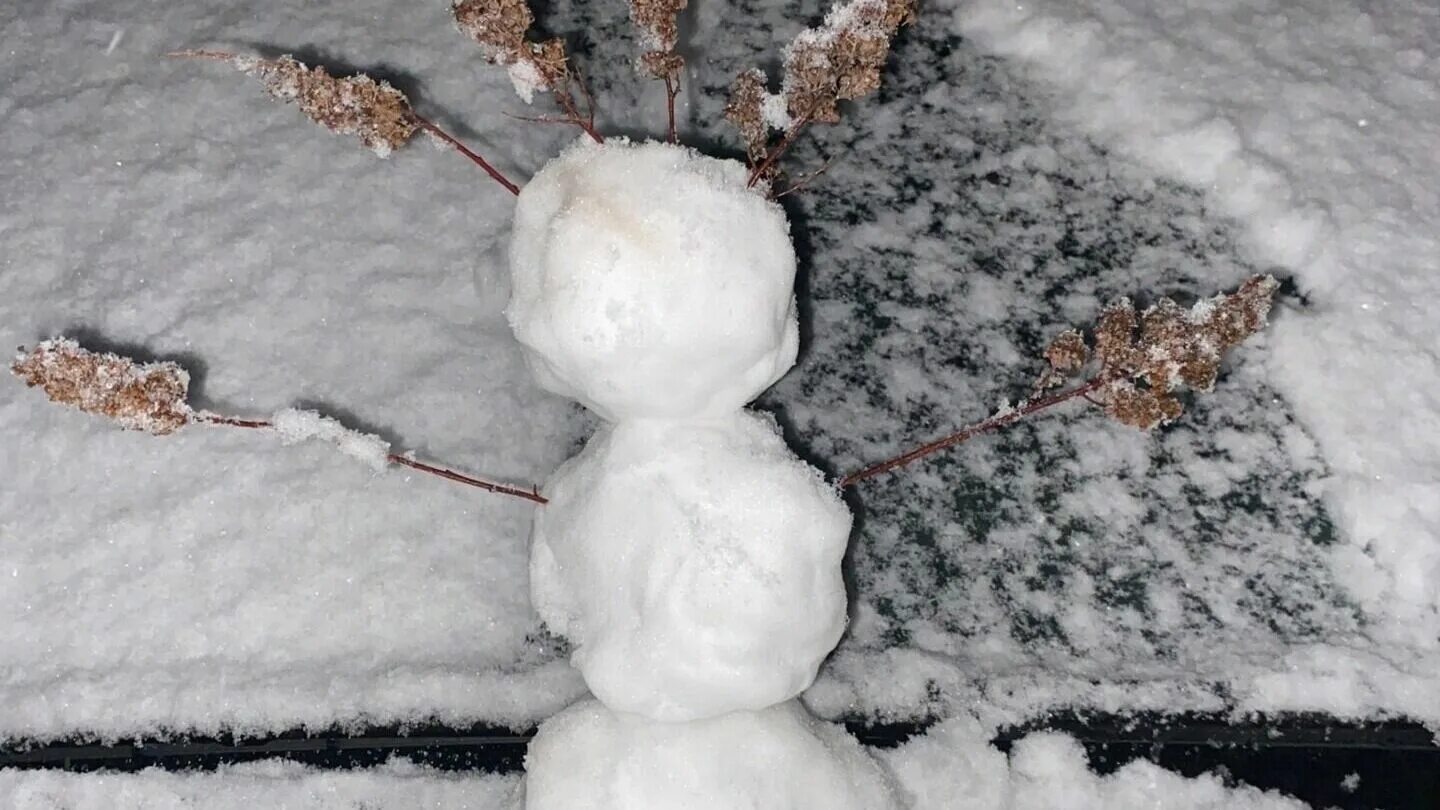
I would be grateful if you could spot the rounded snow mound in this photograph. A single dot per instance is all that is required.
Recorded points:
(695, 566)
(647, 280)
(780, 758)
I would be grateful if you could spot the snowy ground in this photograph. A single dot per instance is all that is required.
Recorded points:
(1278, 549)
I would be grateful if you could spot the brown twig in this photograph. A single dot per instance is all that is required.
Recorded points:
(435, 131)
(672, 89)
(995, 422)
(780, 148)
(532, 494)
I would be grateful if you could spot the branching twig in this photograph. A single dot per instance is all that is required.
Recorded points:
(151, 397)
(1138, 373)
(375, 112)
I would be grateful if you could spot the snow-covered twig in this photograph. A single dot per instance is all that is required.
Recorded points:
(152, 397)
(1142, 362)
(839, 60)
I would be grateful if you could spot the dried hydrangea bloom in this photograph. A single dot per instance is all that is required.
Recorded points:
(842, 59)
(500, 27)
(378, 114)
(658, 21)
(139, 396)
(1151, 356)
(745, 111)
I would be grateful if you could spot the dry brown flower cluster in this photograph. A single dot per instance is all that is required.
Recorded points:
(838, 61)
(1148, 357)
(378, 114)
(500, 27)
(1143, 360)
(138, 396)
(152, 397)
(658, 21)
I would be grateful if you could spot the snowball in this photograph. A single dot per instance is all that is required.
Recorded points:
(780, 758)
(695, 566)
(649, 281)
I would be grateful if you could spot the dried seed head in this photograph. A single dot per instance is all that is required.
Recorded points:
(1174, 347)
(378, 114)
(658, 21)
(148, 397)
(745, 111)
(1067, 352)
(843, 58)
(1139, 407)
(500, 28)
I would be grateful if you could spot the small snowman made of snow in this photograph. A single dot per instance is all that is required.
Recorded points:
(692, 560)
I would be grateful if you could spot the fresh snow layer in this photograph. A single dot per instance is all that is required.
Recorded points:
(1316, 124)
(214, 578)
(779, 758)
(648, 280)
(694, 566)
(610, 758)
(295, 425)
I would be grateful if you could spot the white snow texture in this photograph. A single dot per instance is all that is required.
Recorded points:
(776, 759)
(649, 281)
(694, 565)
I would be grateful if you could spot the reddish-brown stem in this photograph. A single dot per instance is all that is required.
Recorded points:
(572, 113)
(531, 494)
(780, 148)
(430, 127)
(672, 89)
(995, 422)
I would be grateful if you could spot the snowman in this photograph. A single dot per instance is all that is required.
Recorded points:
(692, 560)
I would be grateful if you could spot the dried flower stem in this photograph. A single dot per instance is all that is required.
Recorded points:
(672, 89)
(1143, 359)
(445, 137)
(765, 166)
(151, 397)
(999, 420)
(532, 494)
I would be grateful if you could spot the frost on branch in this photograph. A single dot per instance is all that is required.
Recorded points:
(138, 396)
(499, 28)
(378, 114)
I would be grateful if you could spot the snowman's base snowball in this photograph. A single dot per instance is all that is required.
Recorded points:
(649, 280)
(778, 758)
(695, 566)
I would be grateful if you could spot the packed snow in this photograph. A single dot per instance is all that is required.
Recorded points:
(780, 757)
(649, 280)
(212, 581)
(295, 425)
(694, 566)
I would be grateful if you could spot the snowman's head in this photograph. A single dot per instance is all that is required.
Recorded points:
(649, 280)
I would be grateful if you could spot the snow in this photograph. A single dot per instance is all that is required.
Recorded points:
(778, 759)
(295, 425)
(694, 566)
(649, 280)
(206, 581)
(950, 768)
(1314, 123)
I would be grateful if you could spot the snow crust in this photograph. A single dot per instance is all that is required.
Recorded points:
(649, 281)
(694, 566)
(779, 758)
(1314, 123)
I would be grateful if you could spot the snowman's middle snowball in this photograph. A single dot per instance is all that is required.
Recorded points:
(695, 566)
